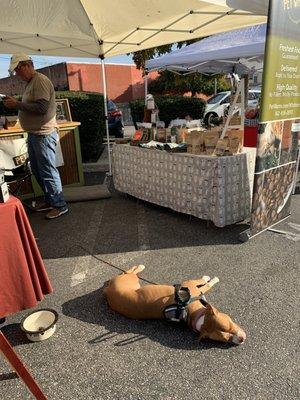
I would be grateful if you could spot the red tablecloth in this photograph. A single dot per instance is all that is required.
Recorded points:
(23, 277)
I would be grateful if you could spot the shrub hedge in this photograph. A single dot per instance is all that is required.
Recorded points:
(87, 108)
(170, 107)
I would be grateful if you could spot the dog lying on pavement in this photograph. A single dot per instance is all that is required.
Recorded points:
(185, 303)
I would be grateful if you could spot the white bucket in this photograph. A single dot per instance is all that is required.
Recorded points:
(40, 325)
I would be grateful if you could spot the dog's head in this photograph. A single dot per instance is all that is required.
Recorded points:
(219, 326)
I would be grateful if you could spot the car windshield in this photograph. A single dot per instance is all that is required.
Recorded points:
(216, 98)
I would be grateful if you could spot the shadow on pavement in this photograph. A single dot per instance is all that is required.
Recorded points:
(124, 224)
(15, 335)
(8, 376)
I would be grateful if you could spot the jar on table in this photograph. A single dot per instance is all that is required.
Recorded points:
(173, 134)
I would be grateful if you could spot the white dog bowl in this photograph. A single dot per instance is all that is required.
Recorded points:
(40, 325)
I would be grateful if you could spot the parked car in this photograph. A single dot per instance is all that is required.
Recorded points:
(115, 120)
(218, 105)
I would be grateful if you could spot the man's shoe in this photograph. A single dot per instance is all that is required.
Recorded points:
(41, 207)
(56, 212)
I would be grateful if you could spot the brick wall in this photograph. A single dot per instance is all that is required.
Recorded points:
(124, 82)
(56, 73)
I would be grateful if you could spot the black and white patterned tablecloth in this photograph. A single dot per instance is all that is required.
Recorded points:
(217, 189)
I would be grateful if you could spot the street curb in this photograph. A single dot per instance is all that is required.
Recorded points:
(95, 167)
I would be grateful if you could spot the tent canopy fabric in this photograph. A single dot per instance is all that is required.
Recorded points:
(104, 28)
(239, 50)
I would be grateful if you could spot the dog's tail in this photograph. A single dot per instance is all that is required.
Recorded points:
(136, 269)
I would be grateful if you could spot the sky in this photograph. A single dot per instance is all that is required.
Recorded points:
(42, 61)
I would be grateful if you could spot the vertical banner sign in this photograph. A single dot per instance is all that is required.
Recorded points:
(279, 117)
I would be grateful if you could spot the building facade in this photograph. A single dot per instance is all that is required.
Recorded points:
(124, 81)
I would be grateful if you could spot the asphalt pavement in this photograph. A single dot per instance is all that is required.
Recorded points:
(98, 354)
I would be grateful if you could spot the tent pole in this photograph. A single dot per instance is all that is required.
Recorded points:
(246, 80)
(146, 86)
(106, 114)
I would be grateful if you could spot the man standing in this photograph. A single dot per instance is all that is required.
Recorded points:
(37, 116)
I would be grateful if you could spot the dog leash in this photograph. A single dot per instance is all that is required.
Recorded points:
(179, 299)
(110, 264)
(176, 312)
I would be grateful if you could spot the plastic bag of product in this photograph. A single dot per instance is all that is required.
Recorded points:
(161, 135)
(195, 142)
(236, 138)
(181, 135)
(222, 147)
(210, 141)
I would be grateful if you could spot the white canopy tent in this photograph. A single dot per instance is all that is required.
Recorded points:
(239, 51)
(89, 28)
(104, 28)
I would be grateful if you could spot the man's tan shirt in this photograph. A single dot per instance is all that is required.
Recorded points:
(39, 88)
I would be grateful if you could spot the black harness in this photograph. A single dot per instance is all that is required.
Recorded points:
(178, 312)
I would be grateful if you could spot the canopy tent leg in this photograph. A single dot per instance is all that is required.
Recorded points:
(246, 80)
(146, 86)
(106, 115)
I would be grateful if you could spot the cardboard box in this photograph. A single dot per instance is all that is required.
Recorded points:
(236, 134)
(235, 120)
(195, 142)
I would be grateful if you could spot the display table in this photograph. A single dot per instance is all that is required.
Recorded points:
(24, 280)
(71, 171)
(217, 189)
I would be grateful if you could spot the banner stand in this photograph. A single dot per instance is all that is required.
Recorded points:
(279, 127)
(246, 234)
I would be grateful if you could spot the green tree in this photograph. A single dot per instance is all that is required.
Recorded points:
(170, 83)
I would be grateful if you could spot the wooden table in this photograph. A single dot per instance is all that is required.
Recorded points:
(71, 172)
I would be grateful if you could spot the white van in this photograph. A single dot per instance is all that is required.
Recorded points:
(218, 104)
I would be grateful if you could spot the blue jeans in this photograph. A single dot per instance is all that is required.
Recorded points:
(41, 150)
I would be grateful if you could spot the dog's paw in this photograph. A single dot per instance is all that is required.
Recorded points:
(213, 281)
(206, 278)
(138, 269)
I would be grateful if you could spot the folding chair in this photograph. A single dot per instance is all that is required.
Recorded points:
(16, 177)
(14, 162)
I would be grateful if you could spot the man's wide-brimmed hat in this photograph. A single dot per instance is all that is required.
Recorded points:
(15, 59)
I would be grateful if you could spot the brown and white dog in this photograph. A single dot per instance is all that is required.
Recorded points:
(126, 296)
